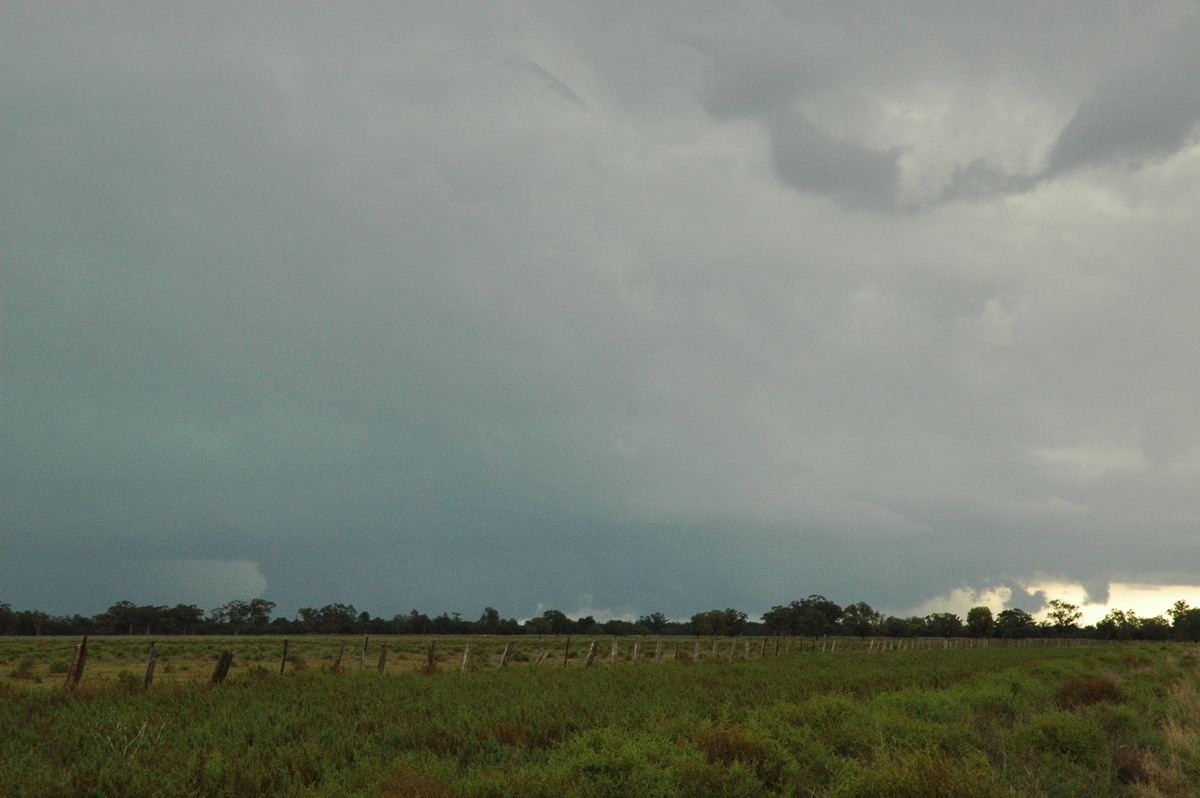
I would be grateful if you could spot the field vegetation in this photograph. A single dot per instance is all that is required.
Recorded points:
(858, 719)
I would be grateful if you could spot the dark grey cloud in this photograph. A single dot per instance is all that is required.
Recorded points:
(411, 308)
(1146, 109)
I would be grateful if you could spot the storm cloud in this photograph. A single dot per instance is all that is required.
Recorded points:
(616, 309)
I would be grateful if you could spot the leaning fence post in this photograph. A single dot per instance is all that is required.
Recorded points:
(283, 659)
(222, 669)
(508, 647)
(591, 655)
(337, 663)
(76, 671)
(151, 662)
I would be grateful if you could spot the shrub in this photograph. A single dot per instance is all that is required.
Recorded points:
(1087, 690)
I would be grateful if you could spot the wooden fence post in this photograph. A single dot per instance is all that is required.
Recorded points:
(714, 651)
(613, 654)
(636, 647)
(382, 658)
(732, 646)
(676, 655)
(696, 651)
(508, 647)
(283, 659)
(658, 651)
(337, 662)
(591, 655)
(566, 651)
(151, 662)
(431, 658)
(364, 651)
(466, 663)
(222, 669)
(76, 671)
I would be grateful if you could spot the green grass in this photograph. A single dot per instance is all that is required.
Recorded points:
(1071, 721)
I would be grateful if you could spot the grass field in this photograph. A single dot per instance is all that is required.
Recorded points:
(855, 721)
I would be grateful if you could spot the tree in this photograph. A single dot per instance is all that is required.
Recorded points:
(860, 619)
(944, 624)
(1015, 624)
(489, 621)
(712, 623)
(812, 617)
(1063, 616)
(655, 622)
(980, 622)
(1187, 625)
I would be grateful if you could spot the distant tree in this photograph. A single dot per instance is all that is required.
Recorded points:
(618, 627)
(330, 619)
(6, 619)
(812, 617)
(944, 624)
(712, 622)
(181, 619)
(539, 626)
(1187, 625)
(1015, 624)
(1063, 616)
(1156, 628)
(560, 624)
(30, 622)
(980, 622)
(489, 621)
(860, 619)
(655, 622)
(1118, 625)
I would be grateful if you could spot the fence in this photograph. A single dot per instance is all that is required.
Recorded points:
(135, 661)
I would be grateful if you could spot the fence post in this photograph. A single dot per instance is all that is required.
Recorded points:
(591, 655)
(566, 651)
(364, 651)
(508, 647)
(337, 663)
(696, 651)
(658, 651)
(431, 658)
(222, 669)
(636, 647)
(76, 671)
(676, 656)
(466, 663)
(613, 654)
(151, 662)
(382, 658)
(283, 659)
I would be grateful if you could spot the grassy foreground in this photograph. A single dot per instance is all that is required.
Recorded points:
(1087, 721)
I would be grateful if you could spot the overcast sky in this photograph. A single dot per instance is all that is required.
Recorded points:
(607, 307)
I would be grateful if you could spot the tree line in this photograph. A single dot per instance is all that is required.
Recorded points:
(813, 616)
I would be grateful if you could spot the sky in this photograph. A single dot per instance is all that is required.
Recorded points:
(613, 308)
